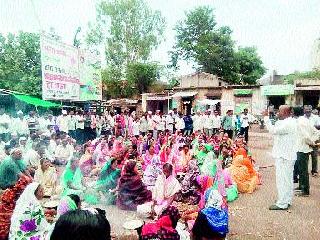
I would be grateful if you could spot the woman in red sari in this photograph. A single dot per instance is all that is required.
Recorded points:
(131, 190)
(8, 203)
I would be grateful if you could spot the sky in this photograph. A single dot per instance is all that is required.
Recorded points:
(284, 31)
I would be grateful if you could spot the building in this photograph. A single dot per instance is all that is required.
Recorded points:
(315, 55)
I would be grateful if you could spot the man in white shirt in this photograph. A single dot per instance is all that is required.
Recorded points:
(284, 152)
(156, 121)
(63, 153)
(150, 122)
(169, 121)
(180, 125)
(245, 120)
(197, 122)
(20, 125)
(4, 125)
(72, 125)
(80, 127)
(63, 122)
(307, 136)
(32, 157)
(215, 122)
(314, 154)
(206, 123)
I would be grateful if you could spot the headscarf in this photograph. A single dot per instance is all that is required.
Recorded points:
(108, 176)
(219, 183)
(28, 216)
(153, 170)
(213, 199)
(75, 176)
(205, 182)
(129, 169)
(216, 215)
(66, 204)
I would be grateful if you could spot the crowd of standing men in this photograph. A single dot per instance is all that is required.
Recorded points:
(84, 126)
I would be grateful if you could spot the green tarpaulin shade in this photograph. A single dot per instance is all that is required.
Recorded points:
(36, 101)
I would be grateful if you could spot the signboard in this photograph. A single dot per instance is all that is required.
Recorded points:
(242, 91)
(90, 76)
(241, 103)
(60, 70)
(277, 90)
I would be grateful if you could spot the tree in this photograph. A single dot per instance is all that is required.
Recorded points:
(142, 75)
(20, 64)
(129, 30)
(211, 48)
(250, 66)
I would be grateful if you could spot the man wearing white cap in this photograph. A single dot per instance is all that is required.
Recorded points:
(63, 122)
(4, 125)
(20, 125)
(156, 121)
(169, 121)
(197, 122)
(150, 122)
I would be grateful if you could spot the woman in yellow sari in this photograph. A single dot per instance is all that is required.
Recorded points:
(243, 172)
(46, 175)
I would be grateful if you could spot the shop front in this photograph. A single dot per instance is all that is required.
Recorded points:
(308, 95)
(278, 95)
(185, 101)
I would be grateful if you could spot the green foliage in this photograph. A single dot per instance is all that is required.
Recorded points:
(129, 30)
(250, 66)
(212, 49)
(315, 74)
(20, 64)
(173, 82)
(142, 75)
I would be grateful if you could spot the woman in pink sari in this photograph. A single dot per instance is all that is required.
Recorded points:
(86, 162)
(148, 157)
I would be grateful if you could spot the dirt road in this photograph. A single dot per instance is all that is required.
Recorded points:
(250, 217)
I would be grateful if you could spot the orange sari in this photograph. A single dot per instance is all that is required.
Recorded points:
(243, 172)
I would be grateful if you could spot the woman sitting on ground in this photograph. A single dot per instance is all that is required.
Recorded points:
(212, 221)
(86, 162)
(28, 220)
(90, 224)
(164, 227)
(164, 192)
(46, 175)
(131, 190)
(108, 180)
(71, 179)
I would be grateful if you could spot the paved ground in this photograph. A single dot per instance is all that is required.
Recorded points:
(250, 217)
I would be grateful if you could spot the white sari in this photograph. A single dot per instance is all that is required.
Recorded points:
(164, 189)
(28, 220)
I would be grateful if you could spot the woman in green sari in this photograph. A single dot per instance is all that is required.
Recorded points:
(71, 179)
(200, 154)
(108, 180)
(209, 167)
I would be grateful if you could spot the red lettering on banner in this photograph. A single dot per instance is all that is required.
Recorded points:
(57, 77)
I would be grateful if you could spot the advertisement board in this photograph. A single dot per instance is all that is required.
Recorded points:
(90, 75)
(60, 70)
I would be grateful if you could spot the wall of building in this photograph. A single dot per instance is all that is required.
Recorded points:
(307, 82)
(200, 80)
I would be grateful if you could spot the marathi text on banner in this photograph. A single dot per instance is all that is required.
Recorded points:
(90, 76)
(60, 70)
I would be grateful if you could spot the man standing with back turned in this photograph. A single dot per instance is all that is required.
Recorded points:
(284, 152)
